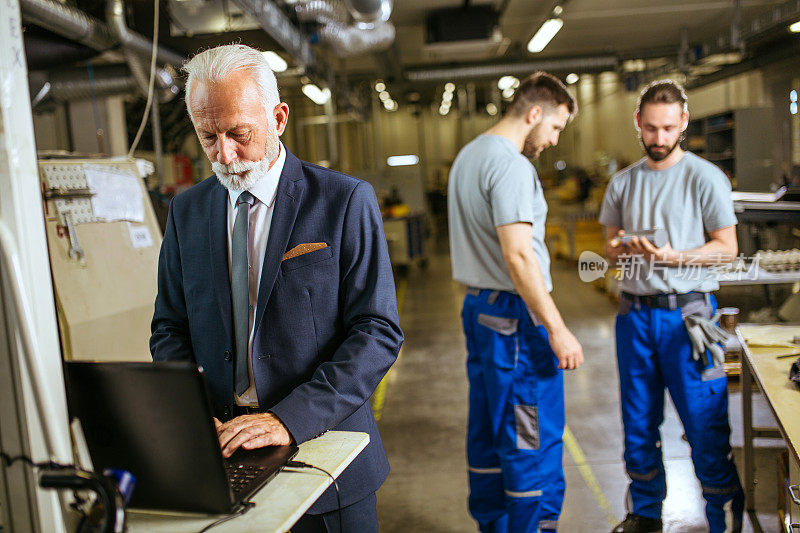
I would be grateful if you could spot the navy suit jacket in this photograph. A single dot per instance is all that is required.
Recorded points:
(326, 322)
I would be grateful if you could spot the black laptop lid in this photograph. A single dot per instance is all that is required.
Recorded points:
(154, 420)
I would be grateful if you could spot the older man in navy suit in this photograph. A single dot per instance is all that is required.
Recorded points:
(275, 278)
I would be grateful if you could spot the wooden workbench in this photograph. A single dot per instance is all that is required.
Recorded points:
(762, 365)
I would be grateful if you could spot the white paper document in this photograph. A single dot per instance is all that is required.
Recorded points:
(117, 195)
(140, 236)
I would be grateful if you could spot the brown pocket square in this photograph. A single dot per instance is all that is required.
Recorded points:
(301, 249)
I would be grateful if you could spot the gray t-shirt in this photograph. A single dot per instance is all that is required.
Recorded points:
(689, 199)
(492, 184)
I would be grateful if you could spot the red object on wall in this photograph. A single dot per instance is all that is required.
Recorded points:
(182, 170)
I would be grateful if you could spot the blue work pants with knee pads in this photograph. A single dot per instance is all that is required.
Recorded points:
(516, 417)
(653, 352)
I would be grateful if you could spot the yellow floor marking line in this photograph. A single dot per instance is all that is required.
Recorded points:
(576, 452)
(379, 397)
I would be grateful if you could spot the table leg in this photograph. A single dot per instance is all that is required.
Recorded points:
(747, 449)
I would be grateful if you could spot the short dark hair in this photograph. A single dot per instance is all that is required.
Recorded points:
(541, 88)
(662, 92)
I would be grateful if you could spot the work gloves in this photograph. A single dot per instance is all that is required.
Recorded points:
(706, 337)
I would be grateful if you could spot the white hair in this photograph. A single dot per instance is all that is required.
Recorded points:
(217, 64)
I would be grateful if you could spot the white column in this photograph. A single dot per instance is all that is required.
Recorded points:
(24, 506)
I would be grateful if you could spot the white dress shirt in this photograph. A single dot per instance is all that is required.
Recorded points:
(259, 222)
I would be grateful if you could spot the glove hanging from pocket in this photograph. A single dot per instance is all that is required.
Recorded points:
(706, 336)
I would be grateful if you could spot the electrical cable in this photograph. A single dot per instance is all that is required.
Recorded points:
(301, 464)
(246, 506)
(151, 85)
(8, 460)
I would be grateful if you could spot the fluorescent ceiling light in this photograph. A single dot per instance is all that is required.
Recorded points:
(793, 96)
(572, 78)
(795, 28)
(275, 62)
(634, 65)
(317, 95)
(544, 35)
(402, 160)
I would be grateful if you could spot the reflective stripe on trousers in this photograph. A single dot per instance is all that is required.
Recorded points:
(516, 417)
(654, 352)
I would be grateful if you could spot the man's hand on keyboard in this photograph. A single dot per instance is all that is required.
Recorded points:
(250, 432)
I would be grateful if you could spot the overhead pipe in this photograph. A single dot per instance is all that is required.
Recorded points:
(68, 22)
(115, 18)
(132, 44)
(75, 84)
(321, 11)
(76, 25)
(369, 11)
(490, 70)
(352, 40)
(370, 33)
(279, 27)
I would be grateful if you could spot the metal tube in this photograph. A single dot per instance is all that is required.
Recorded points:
(489, 70)
(115, 18)
(78, 26)
(155, 124)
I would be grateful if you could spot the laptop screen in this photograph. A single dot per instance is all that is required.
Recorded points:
(154, 420)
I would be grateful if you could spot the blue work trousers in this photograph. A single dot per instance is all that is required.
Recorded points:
(654, 352)
(516, 417)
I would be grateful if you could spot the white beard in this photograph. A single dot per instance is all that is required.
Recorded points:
(242, 175)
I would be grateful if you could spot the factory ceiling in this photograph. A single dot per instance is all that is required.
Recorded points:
(427, 42)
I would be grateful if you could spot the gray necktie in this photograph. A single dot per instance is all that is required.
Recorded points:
(240, 289)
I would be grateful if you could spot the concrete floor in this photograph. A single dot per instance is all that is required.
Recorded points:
(424, 412)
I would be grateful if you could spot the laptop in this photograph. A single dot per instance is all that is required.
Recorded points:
(155, 421)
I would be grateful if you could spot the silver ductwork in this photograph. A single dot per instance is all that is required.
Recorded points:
(78, 26)
(115, 18)
(369, 11)
(68, 22)
(367, 31)
(321, 11)
(352, 40)
(488, 71)
(132, 45)
(75, 84)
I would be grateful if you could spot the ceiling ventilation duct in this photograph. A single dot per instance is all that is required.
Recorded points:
(350, 27)
(132, 43)
(369, 11)
(76, 25)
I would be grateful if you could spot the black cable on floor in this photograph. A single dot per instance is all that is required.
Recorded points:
(301, 464)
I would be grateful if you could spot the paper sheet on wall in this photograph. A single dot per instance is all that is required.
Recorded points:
(117, 195)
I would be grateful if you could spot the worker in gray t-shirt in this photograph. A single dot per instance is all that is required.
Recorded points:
(690, 198)
(517, 342)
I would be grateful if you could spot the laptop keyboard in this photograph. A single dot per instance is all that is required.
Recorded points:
(241, 476)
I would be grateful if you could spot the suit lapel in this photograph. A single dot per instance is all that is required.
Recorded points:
(291, 187)
(218, 237)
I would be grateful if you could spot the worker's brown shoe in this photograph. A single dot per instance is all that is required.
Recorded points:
(634, 523)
